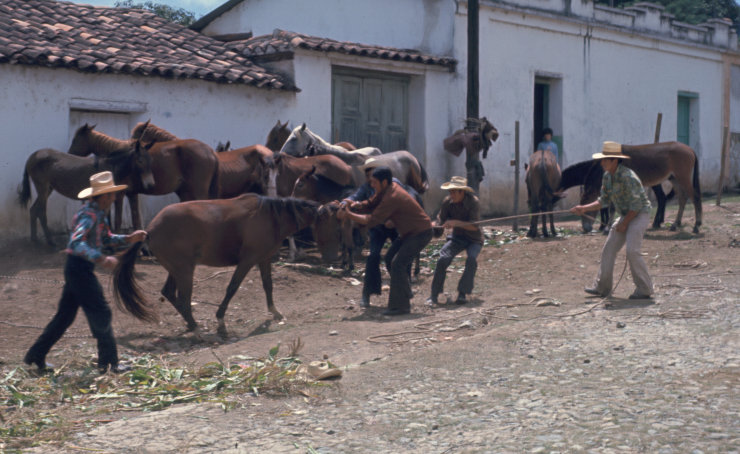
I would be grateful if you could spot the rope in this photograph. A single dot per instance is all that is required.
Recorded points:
(506, 218)
(32, 279)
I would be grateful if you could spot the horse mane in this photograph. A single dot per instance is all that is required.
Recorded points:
(151, 133)
(105, 145)
(296, 209)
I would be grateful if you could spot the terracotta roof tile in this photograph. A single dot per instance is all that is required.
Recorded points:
(120, 40)
(281, 41)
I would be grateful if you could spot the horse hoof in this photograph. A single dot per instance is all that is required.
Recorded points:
(673, 228)
(696, 230)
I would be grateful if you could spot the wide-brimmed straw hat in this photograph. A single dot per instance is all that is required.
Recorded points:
(610, 150)
(460, 183)
(101, 183)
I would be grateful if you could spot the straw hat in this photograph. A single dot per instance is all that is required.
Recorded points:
(101, 183)
(458, 183)
(610, 150)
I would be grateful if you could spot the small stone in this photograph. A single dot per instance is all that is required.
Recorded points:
(620, 325)
(334, 333)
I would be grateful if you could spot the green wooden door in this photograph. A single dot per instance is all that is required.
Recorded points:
(370, 109)
(683, 115)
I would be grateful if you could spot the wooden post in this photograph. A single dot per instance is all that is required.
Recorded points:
(725, 153)
(515, 163)
(472, 97)
(657, 127)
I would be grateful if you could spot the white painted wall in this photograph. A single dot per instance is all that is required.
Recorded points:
(424, 25)
(36, 115)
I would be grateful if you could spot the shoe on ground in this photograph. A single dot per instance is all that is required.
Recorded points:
(365, 301)
(395, 312)
(593, 291)
(432, 301)
(41, 364)
(114, 368)
(640, 296)
(461, 299)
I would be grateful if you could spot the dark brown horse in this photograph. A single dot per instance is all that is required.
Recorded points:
(189, 167)
(653, 164)
(51, 170)
(542, 177)
(277, 136)
(472, 140)
(244, 231)
(286, 169)
(348, 236)
(243, 170)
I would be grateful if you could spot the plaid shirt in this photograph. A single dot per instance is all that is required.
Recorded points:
(623, 189)
(91, 233)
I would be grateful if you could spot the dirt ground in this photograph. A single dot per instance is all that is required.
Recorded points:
(321, 305)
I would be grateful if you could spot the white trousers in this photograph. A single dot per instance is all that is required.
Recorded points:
(614, 242)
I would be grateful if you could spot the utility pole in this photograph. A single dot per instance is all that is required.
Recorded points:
(473, 86)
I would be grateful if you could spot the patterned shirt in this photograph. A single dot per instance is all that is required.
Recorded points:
(623, 189)
(91, 233)
(468, 210)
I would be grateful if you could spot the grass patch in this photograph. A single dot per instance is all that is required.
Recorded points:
(37, 409)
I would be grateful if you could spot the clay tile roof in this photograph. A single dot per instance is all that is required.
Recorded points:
(120, 40)
(285, 42)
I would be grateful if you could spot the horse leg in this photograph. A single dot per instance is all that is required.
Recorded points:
(183, 281)
(236, 279)
(38, 210)
(552, 224)
(118, 213)
(681, 204)
(544, 224)
(133, 203)
(661, 198)
(532, 224)
(417, 266)
(266, 275)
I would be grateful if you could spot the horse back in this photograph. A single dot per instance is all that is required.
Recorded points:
(208, 232)
(65, 173)
(653, 163)
(183, 162)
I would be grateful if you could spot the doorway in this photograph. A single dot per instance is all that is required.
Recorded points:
(548, 111)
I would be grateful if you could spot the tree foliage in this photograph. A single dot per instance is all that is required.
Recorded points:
(690, 11)
(178, 15)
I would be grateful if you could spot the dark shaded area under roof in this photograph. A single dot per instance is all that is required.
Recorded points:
(120, 41)
(281, 43)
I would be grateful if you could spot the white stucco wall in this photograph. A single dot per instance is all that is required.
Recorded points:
(36, 115)
(409, 24)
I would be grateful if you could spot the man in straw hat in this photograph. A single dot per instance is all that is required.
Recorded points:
(81, 288)
(459, 212)
(391, 203)
(377, 235)
(622, 188)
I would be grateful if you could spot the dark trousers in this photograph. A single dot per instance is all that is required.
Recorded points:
(81, 289)
(400, 255)
(377, 236)
(452, 247)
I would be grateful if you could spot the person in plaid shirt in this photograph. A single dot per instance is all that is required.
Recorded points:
(90, 235)
(622, 188)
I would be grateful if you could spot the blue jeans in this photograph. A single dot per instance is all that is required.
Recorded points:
(377, 237)
(452, 247)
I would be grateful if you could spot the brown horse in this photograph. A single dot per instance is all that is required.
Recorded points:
(286, 169)
(542, 177)
(277, 136)
(653, 164)
(189, 167)
(243, 170)
(51, 170)
(244, 231)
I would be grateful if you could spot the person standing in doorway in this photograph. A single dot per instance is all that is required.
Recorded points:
(459, 212)
(548, 145)
(81, 287)
(392, 203)
(621, 187)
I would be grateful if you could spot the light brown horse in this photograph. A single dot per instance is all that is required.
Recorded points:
(655, 163)
(188, 167)
(279, 134)
(543, 178)
(51, 170)
(244, 231)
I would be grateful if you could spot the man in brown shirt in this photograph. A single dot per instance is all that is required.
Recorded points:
(392, 204)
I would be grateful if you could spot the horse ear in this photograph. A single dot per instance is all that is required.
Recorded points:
(227, 147)
(313, 170)
(303, 127)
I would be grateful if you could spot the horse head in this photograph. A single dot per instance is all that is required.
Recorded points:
(223, 146)
(142, 165)
(297, 142)
(277, 136)
(327, 232)
(138, 130)
(81, 143)
(303, 189)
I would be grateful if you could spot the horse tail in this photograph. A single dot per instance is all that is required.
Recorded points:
(126, 292)
(697, 190)
(24, 191)
(424, 179)
(213, 189)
